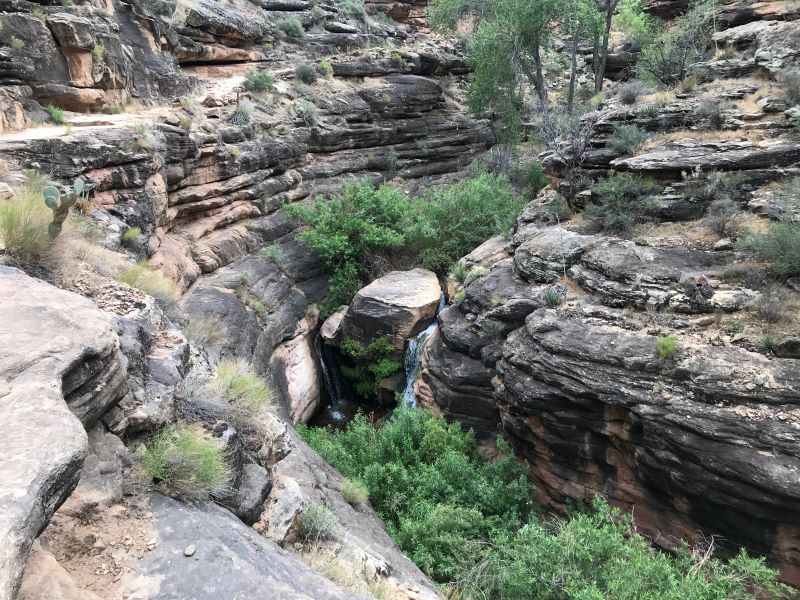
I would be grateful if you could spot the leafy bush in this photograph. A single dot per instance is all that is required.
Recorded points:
(719, 215)
(307, 112)
(24, 222)
(779, 246)
(665, 346)
(627, 139)
(639, 27)
(535, 179)
(354, 9)
(317, 523)
(292, 27)
(258, 80)
(467, 522)
(238, 383)
(621, 204)
(790, 80)
(186, 461)
(143, 277)
(371, 364)
(306, 73)
(325, 68)
(272, 254)
(56, 114)
(354, 491)
(711, 115)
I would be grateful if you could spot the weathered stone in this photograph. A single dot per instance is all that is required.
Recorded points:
(546, 256)
(396, 306)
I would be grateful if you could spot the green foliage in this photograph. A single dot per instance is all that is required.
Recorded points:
(238, 383)
(668, 59)
(628, 93)
(767, 344)
(151, 282)
(458, 273)
(687, 84)
(317, 523)
(353, 9)
(621, 204)
(552, 298)
(186, 123)
(130, 236)
(451, 222)
(60, 204)
(354, 491)
(291, 27)
(307, 112)
(325, 68)
(779, 246)
(475, 273)
(438, 497)
(371, 364)
(396, 58)
(56, 114)
(467, 522)
(639, 27)
(305, 73)
(39, 14)
(535, 180)
(627, 139)
(187, 462)
(272, 254)
(25, 221)
(17, 43)
(665, 346)
(258, 80)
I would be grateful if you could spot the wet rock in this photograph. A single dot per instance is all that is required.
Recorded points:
(396, 306)
(296, 371)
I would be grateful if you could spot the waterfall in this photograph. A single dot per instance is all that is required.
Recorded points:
(413, 356)
(330, 373)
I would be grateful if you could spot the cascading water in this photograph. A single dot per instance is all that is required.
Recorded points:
(413, 358)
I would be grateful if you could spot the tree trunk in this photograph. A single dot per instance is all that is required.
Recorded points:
(573, 73)
(610, 6)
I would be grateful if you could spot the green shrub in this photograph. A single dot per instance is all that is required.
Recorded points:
(238, 383)
(354, 491)
(272, 254)
(621, 204)
(24, 223)
(258, 80)
(767, 344)
(187, 462)
(535, 180)
(130, 236)
(396, 58)
(317, 523)
(639, 27)
(552, 298)
(202, 331)
(56, 114)
(186, 123)
(475, 273)
(627, 139)
(291, 27)
(151, 282)
(687, 84)
(458, 273)
(665, 346)
(325, 68)
(307, 113)
(17, 43)
(371, 364)
(353, 9)
(305, 73)
(628, 93)
(779, 246)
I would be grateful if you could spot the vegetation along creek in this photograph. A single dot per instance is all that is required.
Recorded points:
(399, 299)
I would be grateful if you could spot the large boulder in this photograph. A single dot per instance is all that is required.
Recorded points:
(60, 370)
(397, 306)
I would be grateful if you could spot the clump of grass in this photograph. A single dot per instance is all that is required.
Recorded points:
(354, 9)
(552, 298)
(186, 123)
(131, 236)
(24, 222)
(142, 277)
(272, 254)
(202, 331)
(56, 114)
(458, 273)
(687, 84)
(238, 383)
(17, 43)
(666, 346)
(145, 136)
(325, 68)
(629, 92)
(39, 14)
(734, 327)
(627, 139)
(348, 573)
(396, 58)
(305, 73)
(767, 344)
(354, 491)
(475, 273)
(317, 523)
(291, 27)
(258, 81)
(187, 462)
(307, 113)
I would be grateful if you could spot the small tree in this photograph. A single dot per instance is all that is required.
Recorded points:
(567, 138)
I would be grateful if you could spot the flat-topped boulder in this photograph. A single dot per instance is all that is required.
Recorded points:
(397, 306)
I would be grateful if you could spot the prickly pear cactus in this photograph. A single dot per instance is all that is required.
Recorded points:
(60, 205)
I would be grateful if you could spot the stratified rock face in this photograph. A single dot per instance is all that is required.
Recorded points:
(411, 12)
(60, 369)
(706, 440)
(230, 560)
(397, 306)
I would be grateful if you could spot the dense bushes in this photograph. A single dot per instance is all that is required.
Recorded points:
(364, 229)
(371, 364)
(467, 522)
(621, 204)
(24, 221)
(779, 245)
(258, 80)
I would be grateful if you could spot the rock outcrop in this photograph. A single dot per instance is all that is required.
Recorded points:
(396, 306)
(60, 370)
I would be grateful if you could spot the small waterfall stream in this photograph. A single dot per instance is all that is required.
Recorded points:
(413, 357)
